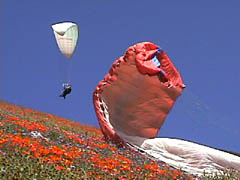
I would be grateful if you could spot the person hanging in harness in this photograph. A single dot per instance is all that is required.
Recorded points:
(67, 88)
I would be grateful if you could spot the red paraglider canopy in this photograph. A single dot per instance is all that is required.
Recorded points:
(136, 95)
(132, 102)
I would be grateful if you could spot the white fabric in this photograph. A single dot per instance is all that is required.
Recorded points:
(188, 156)
(61, 28)
(66, 35)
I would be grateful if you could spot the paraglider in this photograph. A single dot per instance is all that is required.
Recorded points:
(133, 101)
(66, 34)
(67, 88)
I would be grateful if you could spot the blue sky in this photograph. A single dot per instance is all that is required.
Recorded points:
(202, 39)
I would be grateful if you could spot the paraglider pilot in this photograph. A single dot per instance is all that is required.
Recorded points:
(67, 88)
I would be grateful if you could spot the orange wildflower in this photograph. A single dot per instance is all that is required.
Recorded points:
(60, 168)
(67, 162)
(26, 152)
(56, 150)
(161, 171)
(33, 147)
(122, 178)
(1, 131)
(54, 158)
(125, 167)
(99, 176)
(2, 141)
(37, 155)
(13, 118)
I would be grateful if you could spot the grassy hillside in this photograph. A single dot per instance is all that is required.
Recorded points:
(36, 146)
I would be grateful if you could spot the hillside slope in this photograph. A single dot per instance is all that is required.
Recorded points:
(35, 145)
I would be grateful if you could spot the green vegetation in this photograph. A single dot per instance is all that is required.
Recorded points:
(40, 146)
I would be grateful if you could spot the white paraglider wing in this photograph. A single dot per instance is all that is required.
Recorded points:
(66, 35)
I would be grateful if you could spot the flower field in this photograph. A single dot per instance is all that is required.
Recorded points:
(36, 146)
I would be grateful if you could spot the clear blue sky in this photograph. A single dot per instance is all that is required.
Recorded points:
(202, 39)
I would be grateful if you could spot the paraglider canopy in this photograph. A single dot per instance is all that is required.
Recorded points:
(137, 94)
(132, 102)
(66, 34)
